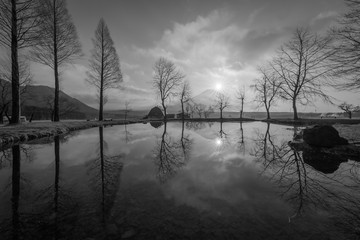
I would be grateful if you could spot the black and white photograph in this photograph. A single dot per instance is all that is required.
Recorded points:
(179, 119)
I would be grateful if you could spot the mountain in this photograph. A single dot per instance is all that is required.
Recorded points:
(37, 101)
(38, 96)
(207, 97)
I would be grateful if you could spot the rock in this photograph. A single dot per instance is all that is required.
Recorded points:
(323, 136)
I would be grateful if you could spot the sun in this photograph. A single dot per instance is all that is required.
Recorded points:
(218, 86)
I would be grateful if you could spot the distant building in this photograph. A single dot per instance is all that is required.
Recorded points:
(156, 113)
(170, 116)
(179, 115)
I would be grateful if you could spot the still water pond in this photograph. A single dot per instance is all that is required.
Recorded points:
(179, 181)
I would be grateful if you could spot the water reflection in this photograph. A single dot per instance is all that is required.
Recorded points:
(112, 191)
(104, 178)
(311, 181)
(15, 191)
(170, 154)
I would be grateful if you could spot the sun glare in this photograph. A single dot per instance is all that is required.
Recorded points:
(218, 86)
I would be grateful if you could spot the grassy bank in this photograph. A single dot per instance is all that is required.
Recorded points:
(312, 121)
(13, 134)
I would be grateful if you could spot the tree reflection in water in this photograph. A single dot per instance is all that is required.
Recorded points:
(171, 155)
(16, 228)
(15, 191)
(306, 188)
(104, 172)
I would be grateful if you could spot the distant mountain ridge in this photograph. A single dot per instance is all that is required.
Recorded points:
(37, 101)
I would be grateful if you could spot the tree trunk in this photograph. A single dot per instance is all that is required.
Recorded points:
(163, 105)
(267, 113)
(242, 108)
(182, 110)
(101, 107)
(220, 113)
(15, 196)
(295, 110)
(15, 79)
(350, 115)
(56, 70)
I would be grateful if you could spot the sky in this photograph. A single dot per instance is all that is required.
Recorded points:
(214, 42)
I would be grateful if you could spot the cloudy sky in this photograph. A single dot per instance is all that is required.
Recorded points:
(213, 42)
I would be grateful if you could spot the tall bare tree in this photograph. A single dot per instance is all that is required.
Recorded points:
(240, 95)
(60, 44)
(104, 70)
(185, 96)
(302, 66)
(19, 20)
(347, 47)
(266, 87)
(166, 81)
(222, 102)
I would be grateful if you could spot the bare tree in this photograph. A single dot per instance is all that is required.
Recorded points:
(5, 81)
(208, 111)
(222, 102)
(199, 108)
(104, 72)
(266, 87)
(19, 20)
(166, 81)
(349, 108)
(60, 44)
(185, 96)
(127, 109)
(347, 47)
(302, 66)
(240, 95)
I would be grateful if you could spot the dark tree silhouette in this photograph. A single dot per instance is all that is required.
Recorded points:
(185, 96)
(347, 48)
(349, 108)
(19, 21)
(59, 45)
(222, 102)
(266, 88)
(127, 109)
(104, 70)
(240, 95)
(166, 81)
(302, 66)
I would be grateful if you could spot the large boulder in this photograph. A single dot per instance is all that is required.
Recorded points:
(323, 136)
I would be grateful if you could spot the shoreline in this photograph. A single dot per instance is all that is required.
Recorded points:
(312, 121)
(16, 134)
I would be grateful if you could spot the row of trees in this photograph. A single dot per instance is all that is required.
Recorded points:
(169, 83)
(44, 30)
(309, 61)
